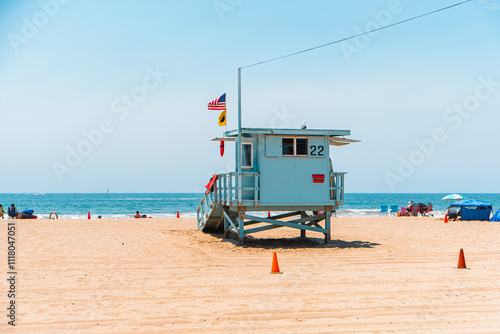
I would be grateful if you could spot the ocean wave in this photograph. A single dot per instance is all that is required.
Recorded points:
(374, 213)
(338, 213)
(357, 212)
(140, 199)
(118, 216)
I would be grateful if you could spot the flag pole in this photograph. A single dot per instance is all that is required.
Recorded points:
(238, 144)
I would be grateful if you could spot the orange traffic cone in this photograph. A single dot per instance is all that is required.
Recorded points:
(88, 217)
(461, 260)
(445, 218)
(178, 216)
(275, 269)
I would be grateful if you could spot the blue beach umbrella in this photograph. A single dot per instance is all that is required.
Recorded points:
(453, 197)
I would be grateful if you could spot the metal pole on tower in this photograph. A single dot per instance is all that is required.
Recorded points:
(238, 144)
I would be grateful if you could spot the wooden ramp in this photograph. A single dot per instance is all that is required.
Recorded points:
(210, 215)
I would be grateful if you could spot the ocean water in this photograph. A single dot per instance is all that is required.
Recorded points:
(166, 205)
(77, 206)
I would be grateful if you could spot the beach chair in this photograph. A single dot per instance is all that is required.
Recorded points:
(415, 209)
(394, 209)
(384, 210)
(403, 211)
(430, 212)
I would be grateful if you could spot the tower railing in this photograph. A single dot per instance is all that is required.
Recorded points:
(228, 192)
(337, 187)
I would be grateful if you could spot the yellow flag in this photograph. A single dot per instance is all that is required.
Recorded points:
(222, 118)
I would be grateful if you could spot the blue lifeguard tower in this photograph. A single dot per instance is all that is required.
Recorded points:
(284, 170)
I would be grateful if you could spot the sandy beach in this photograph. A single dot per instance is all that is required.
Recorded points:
(378, 275)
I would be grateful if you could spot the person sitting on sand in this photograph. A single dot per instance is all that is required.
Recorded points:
(409, 208)
(137, 214)
(12, 211)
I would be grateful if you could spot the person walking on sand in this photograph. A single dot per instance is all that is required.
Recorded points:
(2, 211)
(12, 211)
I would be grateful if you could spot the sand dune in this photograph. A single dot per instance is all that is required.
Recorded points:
(378, 275)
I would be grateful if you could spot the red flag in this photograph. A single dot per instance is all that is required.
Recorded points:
(221, 148)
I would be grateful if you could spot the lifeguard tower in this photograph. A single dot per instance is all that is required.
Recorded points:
(281, 170)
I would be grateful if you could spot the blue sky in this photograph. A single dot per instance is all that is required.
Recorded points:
(424, 97)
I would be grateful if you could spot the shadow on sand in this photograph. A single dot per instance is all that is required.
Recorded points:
(294, 243)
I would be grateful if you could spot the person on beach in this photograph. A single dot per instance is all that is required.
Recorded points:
(12, 211)
(409, 208)
(137, 214)
(452, 213)
(2, 211)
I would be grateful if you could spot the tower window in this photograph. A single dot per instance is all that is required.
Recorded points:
(295, 146)
(246, 155)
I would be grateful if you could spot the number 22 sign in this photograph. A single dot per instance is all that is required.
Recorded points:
(316, 151)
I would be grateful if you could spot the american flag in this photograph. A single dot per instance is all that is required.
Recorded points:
(218, 103)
